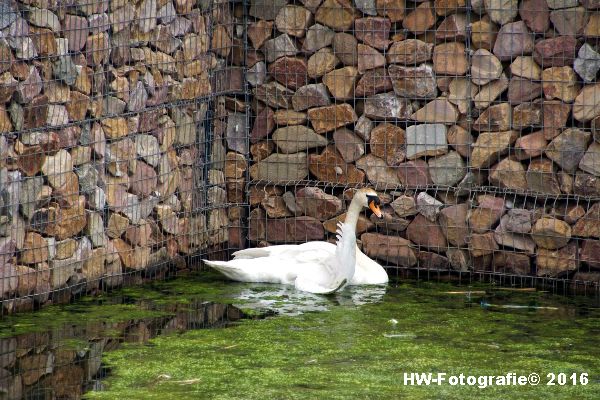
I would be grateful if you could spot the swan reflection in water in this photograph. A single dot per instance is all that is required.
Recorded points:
(286, 300)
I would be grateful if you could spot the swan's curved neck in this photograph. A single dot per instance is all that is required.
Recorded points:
(353, 213)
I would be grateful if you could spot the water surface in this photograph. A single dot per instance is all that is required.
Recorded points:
(268, 341)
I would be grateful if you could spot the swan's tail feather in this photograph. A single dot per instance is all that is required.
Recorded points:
(224, 267)
(251, 253)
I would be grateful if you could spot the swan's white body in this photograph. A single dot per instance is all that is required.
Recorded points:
(317, 267)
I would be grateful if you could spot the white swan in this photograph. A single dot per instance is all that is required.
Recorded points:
(317, 267)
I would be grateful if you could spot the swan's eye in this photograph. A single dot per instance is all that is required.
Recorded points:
(373, 199)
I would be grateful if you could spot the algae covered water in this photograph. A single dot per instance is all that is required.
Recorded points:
(268, 341)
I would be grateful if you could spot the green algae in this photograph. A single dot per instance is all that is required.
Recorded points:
(359, 343)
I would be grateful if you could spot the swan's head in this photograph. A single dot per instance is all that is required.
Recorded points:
(368, 198)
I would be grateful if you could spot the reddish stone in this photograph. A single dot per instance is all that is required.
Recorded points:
(454, 27)
(429, 260)
(554, 115)
(329, 166)
(291, 72)
(299, 229)
(372, 82)
(35, 114)
(511, 263)
(513, 40)
(392, 249)
(536, 15)
(314, 202)
(263, 125)
(453, 220)
(423, 232)
(144, 180)
(588, 225)
(521, 90)
(555, 52)
(590, 253)
(414, 173)
(30, 161)
(374, 31)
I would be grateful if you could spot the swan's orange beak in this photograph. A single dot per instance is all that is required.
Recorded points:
(375, 208)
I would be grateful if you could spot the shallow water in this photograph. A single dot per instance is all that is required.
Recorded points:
(268, 341)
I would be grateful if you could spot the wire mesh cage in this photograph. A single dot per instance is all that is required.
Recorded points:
(111, 147)
(475, 121)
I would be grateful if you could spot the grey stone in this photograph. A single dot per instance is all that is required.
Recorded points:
(88, 177)
(317, 37)
(95, 229)
(98, 23)
(404, 206)
(137, 98)
(366, 6)
(180, 26)
(147, 148)
(8, 13)
(65, 70)
(425, 139)
(236, 137)
(517, 220)
(18, 118)
(363, 128)
(378, 172)
(587, 63)
(147, 15)
(30, 190)
(24, 48)
(281, 46)
(96, 199)
(266, 9)
(167, 13)
(312, 95)
(43, 18)
(185, 127)
(290, 202)
(558, 4)
(387, 105)
(428, 206)
(113, 106)
(590, 162)
(517, 241)
(502, 11)
(281, 168)
(448, 169)
(295, 138)
(568, 148)
(257, 73)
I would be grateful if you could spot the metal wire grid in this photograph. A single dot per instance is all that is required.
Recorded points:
(346, 92)
(110, 166)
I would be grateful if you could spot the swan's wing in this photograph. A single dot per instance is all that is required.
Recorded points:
(281, 268)
(283, 250)
(368, 271)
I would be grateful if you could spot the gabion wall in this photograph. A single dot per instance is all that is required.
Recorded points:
(478, 122)
(110, 161)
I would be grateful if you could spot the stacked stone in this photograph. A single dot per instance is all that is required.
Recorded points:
(102, 109)
(387, 93)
